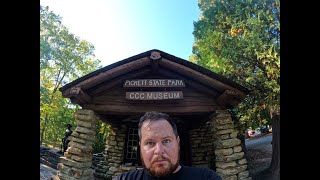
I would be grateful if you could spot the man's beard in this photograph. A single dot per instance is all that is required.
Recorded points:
(161, 171)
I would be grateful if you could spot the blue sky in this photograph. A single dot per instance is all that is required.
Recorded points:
(119, 29)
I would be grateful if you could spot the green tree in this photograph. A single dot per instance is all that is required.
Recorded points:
(102, 132)
(63, 58)
(240, 40)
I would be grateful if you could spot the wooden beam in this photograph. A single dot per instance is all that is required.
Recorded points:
(112, 73)
(186, 71)
(85, 97)
(141, 109)
(229, 97)
(193, 84)
(79, 96)
(116, 82)
(149, 103)
(155, 57)
(73, 100)
(187, 101)
(155, 66)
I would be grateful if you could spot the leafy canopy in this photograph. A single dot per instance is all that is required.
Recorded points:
(63, 58)
(240, 40)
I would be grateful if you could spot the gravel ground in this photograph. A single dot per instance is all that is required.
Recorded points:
(259, 154)
(257, 161)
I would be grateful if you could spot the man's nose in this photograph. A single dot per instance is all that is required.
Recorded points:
(159, 149)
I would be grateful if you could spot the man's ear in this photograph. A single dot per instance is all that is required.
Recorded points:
(178, 139)
(139, 143)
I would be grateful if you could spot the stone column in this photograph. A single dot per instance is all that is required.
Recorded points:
(114, 154)
(201, 146)
(77, 160)
(230, 161)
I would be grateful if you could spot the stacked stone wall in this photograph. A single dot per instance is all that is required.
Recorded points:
(113, 155)
(214, 145)
(201, 141)
(97, 158)
(230, 161)
(77, 160)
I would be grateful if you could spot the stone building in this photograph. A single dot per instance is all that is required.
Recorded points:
(119, 94)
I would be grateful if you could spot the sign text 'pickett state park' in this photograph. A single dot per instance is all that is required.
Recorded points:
(154, 83)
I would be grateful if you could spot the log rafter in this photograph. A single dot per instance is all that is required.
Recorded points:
(193, 84)
(141, 108)
(96, 91)
(112, 73)
(229, 97)
(186, 71)
(80, 96)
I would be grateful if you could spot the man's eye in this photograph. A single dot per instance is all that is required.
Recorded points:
(165, 141)
(150, 143)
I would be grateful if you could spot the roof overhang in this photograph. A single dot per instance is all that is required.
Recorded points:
(224, 90)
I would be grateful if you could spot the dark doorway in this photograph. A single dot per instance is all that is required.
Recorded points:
(185, 149)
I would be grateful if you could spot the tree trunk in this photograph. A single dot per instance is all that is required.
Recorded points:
(242, 138)
(43, 129)
(275, 162)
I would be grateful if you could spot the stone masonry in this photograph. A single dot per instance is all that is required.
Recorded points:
(229, 158)
(77, 160)
(214, 145)
(114, 154)
(202, 146)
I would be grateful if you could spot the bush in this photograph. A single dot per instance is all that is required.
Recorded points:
(101, 137)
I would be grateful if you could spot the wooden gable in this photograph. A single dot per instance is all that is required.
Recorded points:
(105, 92)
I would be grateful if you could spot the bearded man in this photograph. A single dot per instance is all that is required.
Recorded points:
(159, 150)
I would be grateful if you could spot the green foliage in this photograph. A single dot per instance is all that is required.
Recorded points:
(102, 132)
(240, 40)
(63, 58)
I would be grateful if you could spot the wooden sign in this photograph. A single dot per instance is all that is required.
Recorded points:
(154, 83)
(154, 95)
